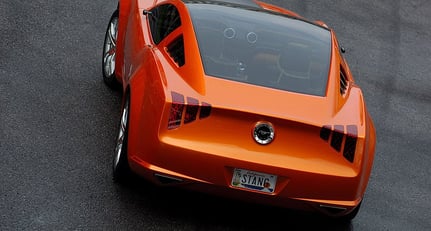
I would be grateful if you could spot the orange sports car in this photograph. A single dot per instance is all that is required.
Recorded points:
(239, 98)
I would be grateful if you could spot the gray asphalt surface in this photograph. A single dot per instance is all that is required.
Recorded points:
(58, 123)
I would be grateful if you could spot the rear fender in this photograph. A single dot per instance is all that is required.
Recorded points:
(124, 12)
(148, 98)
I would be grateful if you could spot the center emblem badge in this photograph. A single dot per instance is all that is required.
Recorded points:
(263, 132)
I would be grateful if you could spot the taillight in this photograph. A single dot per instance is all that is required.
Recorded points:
(191, 110)
(337, 137)
(351, 139)
(341, 139)
(205, 110)
(176, 112)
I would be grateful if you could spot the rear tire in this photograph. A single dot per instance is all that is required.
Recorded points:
(110, 51)
(121, 169)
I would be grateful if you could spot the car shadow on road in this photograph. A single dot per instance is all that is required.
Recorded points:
(207, 212)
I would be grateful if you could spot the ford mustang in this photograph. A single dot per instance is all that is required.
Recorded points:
(243, 99)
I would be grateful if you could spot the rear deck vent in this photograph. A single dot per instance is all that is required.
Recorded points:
(343, 82)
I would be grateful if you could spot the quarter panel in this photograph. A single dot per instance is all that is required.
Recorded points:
(147, 88)
(124, 13)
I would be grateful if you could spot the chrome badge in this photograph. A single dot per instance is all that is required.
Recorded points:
(263, 133)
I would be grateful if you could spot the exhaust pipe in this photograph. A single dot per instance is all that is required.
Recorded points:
(334, 210)
(164, 179)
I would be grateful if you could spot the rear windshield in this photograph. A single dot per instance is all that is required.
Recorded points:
(261, 48)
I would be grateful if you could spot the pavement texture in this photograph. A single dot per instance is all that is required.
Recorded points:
(58, 123)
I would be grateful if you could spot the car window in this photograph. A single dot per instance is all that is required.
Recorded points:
(176, 51)
(261, 48)
(163, 20)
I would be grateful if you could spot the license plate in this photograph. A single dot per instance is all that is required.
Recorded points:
(256, 181)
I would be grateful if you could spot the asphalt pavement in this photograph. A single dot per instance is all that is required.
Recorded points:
(58, 122)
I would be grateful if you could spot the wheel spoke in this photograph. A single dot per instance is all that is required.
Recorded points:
(109, 63)
(112, 64)
(123, 127)
(110, 48)
(113, 33)
(112, 40)
(121, 134)
(106, 57)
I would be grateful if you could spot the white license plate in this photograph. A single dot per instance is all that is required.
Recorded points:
(256, 181)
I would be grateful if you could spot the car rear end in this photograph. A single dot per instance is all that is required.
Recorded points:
(289, 144)
(209, 142)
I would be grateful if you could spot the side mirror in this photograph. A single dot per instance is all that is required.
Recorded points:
(343, 50)
(146, 12)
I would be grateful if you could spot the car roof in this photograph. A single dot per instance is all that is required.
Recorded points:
(248, 3)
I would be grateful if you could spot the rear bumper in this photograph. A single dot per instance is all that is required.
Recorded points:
(334, 194)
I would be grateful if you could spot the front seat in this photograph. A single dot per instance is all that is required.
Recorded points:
(294, 65)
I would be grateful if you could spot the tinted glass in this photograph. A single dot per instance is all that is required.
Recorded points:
(176, 51)
(261, 48)
(163, 20)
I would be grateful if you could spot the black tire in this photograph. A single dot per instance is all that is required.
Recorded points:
(109, 52)
(120, 165)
